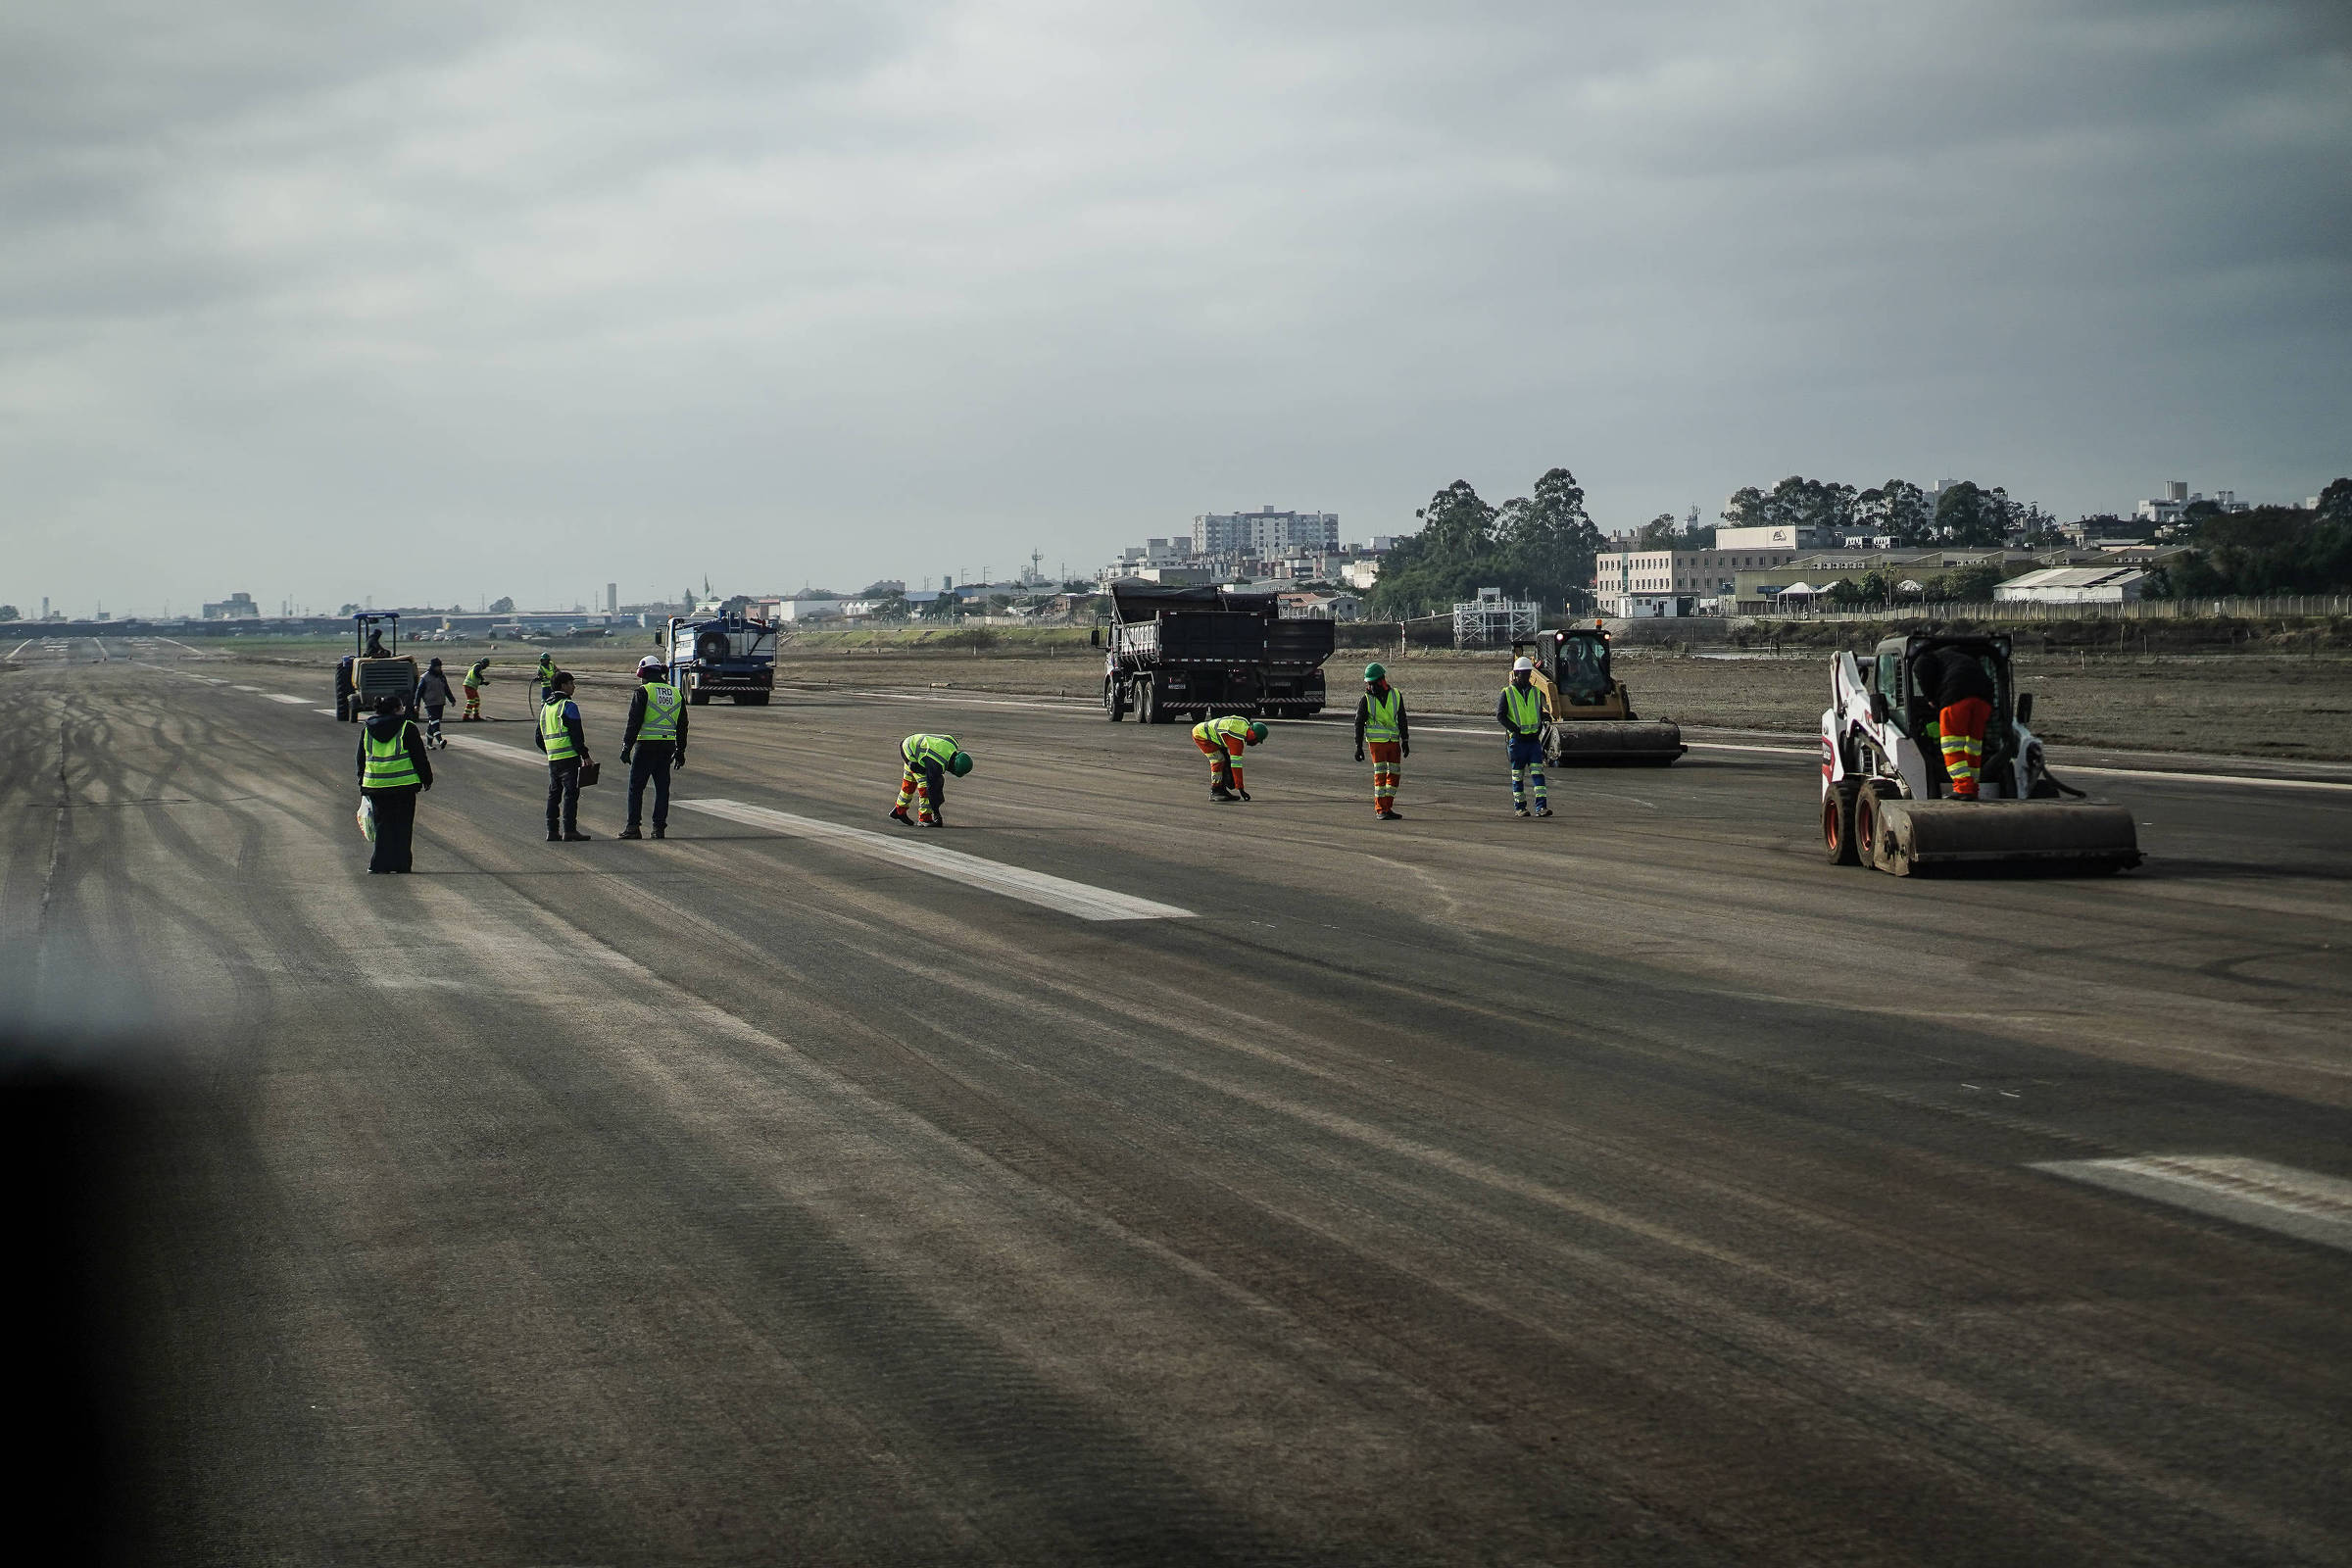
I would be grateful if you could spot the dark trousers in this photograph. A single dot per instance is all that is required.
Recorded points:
(395, 827)
(564, 796)
(432, 721)
(650, 760)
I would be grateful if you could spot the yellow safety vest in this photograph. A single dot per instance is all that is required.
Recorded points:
(554, 731)
(940, 749)
(390, 766)
(1380, 715)
(662, 704)
(1526, 708)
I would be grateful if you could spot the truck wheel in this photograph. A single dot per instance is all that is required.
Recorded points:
(1147, 701)
(1114, 699)
(1837, 823)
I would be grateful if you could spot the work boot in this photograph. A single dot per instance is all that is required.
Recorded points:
(660, 832)
(1218, 792)
(630, 833)
(1519, 810)
(575, 836)
(1390, 816)
(554, 838)
(897, 813)
(1542, 811)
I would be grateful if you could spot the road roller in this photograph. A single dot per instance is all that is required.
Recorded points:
(1592, 718)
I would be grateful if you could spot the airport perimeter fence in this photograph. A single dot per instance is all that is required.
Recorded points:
(2262, 609)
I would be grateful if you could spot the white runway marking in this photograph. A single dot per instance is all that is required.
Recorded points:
(2251, 1192)
(1030, 887)
(20, 648)
(329, 712)
(503, 754)
(255, 690)
(2206, 779)
(298, 702)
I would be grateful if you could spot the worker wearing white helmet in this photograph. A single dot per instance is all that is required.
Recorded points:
(652, 743)
(1520, 711)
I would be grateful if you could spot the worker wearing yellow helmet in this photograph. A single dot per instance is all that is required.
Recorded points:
(1223, 738)
(928, 762)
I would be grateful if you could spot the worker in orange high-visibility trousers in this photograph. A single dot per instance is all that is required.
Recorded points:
(1382, 729)
(1956, 682)
(1223, 739)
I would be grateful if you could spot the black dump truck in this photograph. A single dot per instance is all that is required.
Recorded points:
(1195, 652)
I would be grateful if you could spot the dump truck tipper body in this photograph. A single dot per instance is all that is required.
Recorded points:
(1196, 652)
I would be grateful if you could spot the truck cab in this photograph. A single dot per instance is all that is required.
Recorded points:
(730, 655)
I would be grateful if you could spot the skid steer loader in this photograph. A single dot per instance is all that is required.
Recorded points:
(1886, 797)
(1593, 716)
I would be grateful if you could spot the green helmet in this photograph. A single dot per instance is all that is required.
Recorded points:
(961, 763)
(1373, 672)
(1258, 732)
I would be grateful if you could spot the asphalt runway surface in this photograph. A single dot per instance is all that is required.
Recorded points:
(1116, 1177)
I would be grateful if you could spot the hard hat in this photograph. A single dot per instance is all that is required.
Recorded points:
(961, 763)
(651, 662)
(1518, 665)
(1374, 672)
(1258, 732)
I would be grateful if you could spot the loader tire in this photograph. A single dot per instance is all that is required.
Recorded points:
(1838, 845)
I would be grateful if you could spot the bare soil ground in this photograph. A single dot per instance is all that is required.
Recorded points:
(2250, 705)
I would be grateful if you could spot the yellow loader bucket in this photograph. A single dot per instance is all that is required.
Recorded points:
(1630, 742)
(1912, 836)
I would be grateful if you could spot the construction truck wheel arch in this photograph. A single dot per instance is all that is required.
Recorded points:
(1905, 820)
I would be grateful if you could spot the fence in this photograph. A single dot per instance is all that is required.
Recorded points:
(2038, 609)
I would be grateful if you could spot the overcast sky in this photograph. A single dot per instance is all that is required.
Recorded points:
(437, 301)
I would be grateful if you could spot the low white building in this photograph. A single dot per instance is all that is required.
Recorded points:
(1633, 583)
(2074, 585)
(1322, 606)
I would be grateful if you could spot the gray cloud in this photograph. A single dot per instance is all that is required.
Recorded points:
(451, 302)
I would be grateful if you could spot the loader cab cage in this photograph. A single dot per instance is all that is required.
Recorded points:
(1895, 673)
(365, 626)
(1577, 660)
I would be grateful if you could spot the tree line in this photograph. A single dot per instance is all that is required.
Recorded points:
(1965, 513)
(1537, 546)
(2267, 549)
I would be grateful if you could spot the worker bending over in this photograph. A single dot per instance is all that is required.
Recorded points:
(653, 742)
(565, 739)
(1521, 712)
(477, 677)
(1223, 738)
(928, 759)
(1954, 681)
(1381, 728)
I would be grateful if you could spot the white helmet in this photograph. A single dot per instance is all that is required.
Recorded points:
(1522, 664)
(651, 662)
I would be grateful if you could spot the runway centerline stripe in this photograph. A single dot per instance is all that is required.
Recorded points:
(503, 754)
(1079, 898)
(2251, 1192)
(298, 702)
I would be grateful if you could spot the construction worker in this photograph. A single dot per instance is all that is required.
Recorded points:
(477, 677)
(565, 739)
(1954, 682)
(433, 693)
(1521, 712)
(1223, 739)
(928, 759)
(393, 770)
(653, 742)
(1381, 727)
(547, 674)
(347, 695)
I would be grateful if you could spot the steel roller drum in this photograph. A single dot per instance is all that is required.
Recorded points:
(1922, 835)
(1604, 741)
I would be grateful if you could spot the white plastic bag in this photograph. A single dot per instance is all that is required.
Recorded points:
(366, 819)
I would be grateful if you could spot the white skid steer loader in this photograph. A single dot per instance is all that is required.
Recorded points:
(1886, 797)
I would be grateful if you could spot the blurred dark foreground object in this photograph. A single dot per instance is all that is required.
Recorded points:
(100, 1219)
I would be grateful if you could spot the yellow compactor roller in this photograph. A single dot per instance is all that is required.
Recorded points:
(1593, 715)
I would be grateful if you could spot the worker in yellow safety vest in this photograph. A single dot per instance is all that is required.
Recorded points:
(547, 675)
(1381, 727)
(477, 677)
(923, 780)
(565, 739)
(1521, 712)
(1223, 738)
(653, 742)
(394, 770)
